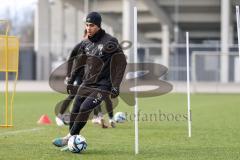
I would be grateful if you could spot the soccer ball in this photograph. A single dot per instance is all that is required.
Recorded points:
(77, 144)
(120, 117)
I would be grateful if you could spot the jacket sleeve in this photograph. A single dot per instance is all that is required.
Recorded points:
(118, 65)
(77, 50)
(78, 69)
(76, 63)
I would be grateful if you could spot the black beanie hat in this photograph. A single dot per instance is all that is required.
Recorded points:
(95, 18)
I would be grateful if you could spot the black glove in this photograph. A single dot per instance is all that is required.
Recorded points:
(70, 81)
(69, 88)
(114, 92)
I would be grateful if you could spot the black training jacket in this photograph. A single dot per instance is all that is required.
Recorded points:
(100, 61)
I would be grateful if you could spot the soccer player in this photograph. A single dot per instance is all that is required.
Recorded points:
(63, 118)
(104, 67)
(98, 115)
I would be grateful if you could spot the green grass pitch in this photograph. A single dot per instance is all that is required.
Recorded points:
(215, 130)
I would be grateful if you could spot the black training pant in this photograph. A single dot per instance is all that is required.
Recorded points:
(83, 106)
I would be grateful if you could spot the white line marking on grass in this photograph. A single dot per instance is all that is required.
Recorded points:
(20, 131)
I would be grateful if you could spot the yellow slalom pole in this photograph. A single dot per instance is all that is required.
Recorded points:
(14, 88)
(6, 70)
(6, 82)
(10, 64)
(6, 76)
